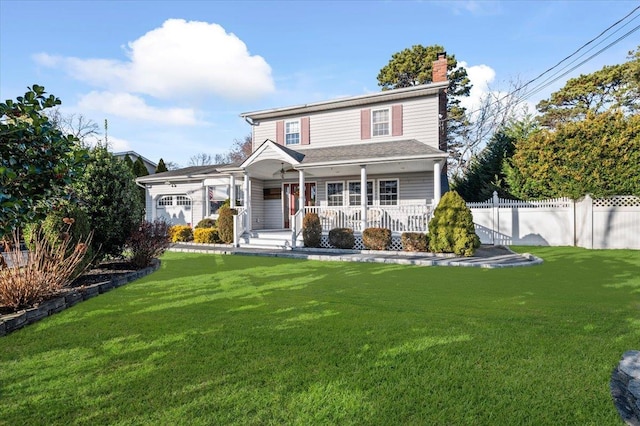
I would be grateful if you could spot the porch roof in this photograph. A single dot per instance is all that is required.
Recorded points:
(193, 172)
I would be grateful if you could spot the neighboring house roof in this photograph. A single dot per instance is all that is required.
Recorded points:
(194, 172)
(123, 154)
(353, 101)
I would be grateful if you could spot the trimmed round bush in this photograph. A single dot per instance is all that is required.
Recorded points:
(205, 235)
(311, 230)
(181, 233)
(342, 238)
(207, 222)
(376, 238)
(414, 241)
(451, 229)
(225, 224)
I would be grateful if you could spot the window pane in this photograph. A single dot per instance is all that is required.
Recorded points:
(181, 200)
(334, 193)
(167, 200)
(380, 122)
(354, 193)
(388, 190)
(292, 132)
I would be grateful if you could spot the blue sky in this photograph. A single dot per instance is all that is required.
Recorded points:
(172, 77)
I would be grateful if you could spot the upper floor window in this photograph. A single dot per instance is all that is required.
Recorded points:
(388, 192)
(292, 132)
(354, 193)
(380, 122)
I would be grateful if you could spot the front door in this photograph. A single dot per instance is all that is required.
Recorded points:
(290, 196)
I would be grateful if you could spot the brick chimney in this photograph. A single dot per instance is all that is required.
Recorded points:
(440, 68)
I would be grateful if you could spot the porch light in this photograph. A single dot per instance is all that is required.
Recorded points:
(282, 171)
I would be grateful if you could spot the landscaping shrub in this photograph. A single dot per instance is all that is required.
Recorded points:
(206, 236)
(46, 269)
(451, 229)
(180, 233)
(207, 222)
(111, 199)
(225, 224)
(311, 230)
(147, 242)
(66, 220)
(342, 238)
(414, 241)
(376, 238)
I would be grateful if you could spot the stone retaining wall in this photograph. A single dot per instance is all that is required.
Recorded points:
(625, 387)
(17, 320)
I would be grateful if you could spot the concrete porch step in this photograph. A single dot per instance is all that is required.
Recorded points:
(268, 238)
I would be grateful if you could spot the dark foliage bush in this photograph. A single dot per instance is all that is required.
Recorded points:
(225, 224)
(207, 222)
(376, 238)
(414, 241)
(206, 236)
(311, 230)
(180, 233)
(342, 238)
(451, 229)
(147, 242)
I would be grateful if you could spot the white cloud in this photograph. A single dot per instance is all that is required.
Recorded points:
(133, 107)
(179, 60)
(481, 77)
(115, 144)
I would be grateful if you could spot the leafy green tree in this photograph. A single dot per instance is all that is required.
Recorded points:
(612, 87)
(139, 169)
(128, 161)
(414, 66)
(109, 195)
(599, 155)
(161, 167)
(485, 173)
(37, 161)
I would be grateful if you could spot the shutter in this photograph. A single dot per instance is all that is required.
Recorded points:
(280, 132)
(305, 138)
(365, 124)
(396, 120)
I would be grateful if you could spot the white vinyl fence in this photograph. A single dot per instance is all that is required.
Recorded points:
(591, 223)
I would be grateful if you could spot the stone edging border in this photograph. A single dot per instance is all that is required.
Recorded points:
(20, 319)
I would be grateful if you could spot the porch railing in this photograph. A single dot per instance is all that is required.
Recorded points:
(405, 218)
(296, 226)
(240, 222)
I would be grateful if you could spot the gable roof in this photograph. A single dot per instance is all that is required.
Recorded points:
(193, 172)
(352, 101)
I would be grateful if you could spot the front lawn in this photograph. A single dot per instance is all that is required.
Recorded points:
(247, 340)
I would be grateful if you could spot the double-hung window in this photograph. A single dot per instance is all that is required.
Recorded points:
(380, 122)
(354, 193)
(388, 192)
(292, 132)
(335, 196)
(218, 194)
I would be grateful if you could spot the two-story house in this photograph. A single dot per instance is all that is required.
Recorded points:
(375, 160)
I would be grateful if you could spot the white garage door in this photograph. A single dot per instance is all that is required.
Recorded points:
(175, 209)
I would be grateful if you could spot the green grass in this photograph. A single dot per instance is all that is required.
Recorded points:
(248, 340)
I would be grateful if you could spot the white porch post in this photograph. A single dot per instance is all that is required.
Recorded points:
(247, 201)
(301, 197)
(437, 191)
(363, 196)
(232, 191)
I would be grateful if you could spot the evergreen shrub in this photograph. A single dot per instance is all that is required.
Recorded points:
(414, 241)
(342, 238)
(207, 222)
(451, 229)
(225, 224)
(181, 233)
(376, 238)
(311, 230)
(206, 236)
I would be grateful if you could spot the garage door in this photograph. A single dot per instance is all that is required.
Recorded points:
(175, 209)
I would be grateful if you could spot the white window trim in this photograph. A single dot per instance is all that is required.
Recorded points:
(211, 213)
(345, 201)
(373, 194)
(389, 109)
(182, 198)
(299, 132)
(377, 191)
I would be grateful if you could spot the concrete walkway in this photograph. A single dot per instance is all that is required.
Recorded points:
(485, 256)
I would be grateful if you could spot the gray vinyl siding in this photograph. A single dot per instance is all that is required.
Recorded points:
(339, 127)
(257, 204)
(273, 218)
